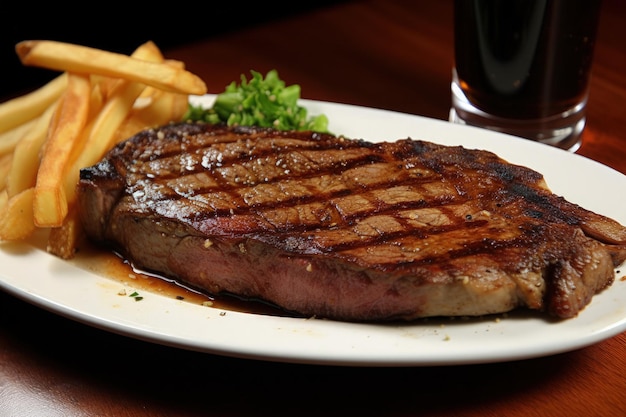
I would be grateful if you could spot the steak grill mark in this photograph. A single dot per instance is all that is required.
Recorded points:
(344, 228)
(345, 170)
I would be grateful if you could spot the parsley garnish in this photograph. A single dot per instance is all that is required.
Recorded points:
(263, 102)
(136, 296)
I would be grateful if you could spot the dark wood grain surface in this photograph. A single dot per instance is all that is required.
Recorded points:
(389, 54)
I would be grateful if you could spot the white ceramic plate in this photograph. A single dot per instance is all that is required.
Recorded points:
(67, 290)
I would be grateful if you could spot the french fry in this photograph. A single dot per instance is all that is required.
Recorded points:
(96, 101)
(5, 168)
(166, 107)
(119, 105)
(16, 218)
(10, 138)
(27, 107)
(153, 107)
(148, 51)
(162, 108)
(63, 240)
(23, 170)
(82, 59)
(102, 134)
(4, 200)
(50, 203)
(47, 136)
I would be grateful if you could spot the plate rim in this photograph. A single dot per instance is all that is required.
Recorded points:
(403, 341)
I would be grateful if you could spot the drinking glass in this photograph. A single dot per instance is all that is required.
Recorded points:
(523, 66)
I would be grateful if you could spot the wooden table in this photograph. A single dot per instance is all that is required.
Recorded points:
(387, 54)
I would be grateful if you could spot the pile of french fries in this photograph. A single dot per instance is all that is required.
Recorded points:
(47, 135)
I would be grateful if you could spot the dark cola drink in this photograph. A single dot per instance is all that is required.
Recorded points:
(523, 66)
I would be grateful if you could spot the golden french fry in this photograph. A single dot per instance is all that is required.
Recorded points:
(101, 98)
(179, 107)
(131, 126)
(26, 107)
(121, 95)
(63, 240)
(50, 204)
(103, 132)
(23, 170)
(168, 107)
(162, 108)
(96, 101)
(76, 58)
(4, 200)
(148, 51)
(6, 161)
(153, 107)
(109, 120)
(148, 97)
(10, 138)
(124, 96)
(16, 217)
(4, 203)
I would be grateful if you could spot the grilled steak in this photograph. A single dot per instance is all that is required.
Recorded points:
(346, 229)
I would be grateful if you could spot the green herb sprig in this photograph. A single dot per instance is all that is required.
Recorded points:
(261, 101)
(136, 296)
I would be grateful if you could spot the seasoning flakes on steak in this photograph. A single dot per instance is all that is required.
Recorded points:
(346, 229)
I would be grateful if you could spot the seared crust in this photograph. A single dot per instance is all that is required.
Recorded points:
(347, 229)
